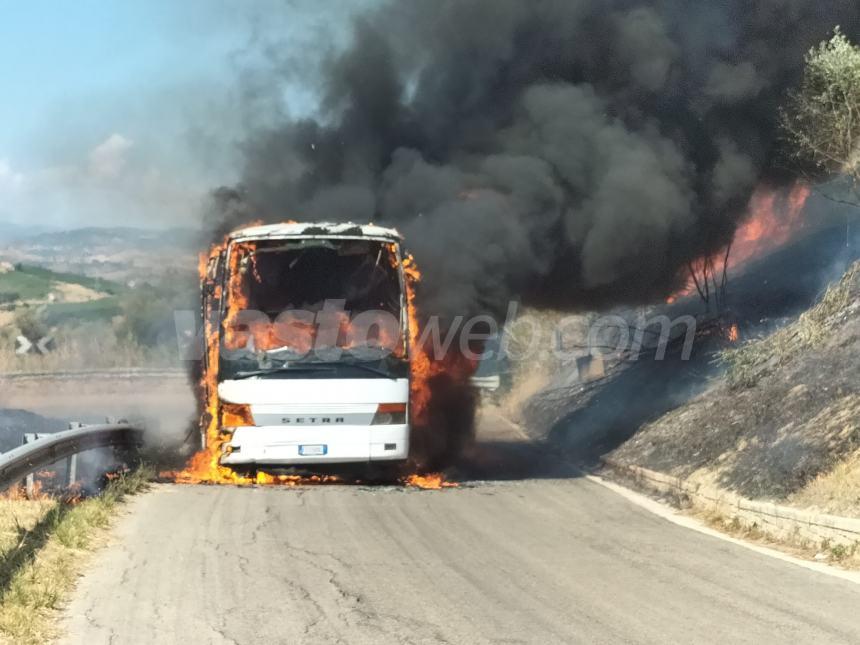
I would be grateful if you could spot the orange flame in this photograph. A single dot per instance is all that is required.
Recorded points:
(19, 493)
(420, 365)
(431, 481)
(203, 467)
(423, 367)
(265, 479)
(771, 223)
(734, 333)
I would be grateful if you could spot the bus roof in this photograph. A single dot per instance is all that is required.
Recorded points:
(315, 229)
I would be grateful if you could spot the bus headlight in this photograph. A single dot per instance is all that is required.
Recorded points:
(236, 415)
(388, 414)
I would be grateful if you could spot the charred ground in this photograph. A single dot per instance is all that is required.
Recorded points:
(786, 414)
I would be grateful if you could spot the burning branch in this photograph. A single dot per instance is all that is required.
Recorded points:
(774, 218)
(703, 274)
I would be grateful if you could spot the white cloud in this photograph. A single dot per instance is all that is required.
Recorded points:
(9, 179)
(108, 159)
(112, 184)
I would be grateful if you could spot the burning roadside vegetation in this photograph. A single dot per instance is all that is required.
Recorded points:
(784, 422)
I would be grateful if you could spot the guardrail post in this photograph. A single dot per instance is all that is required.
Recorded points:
(30, 480)
(72, 469)
(72, 462)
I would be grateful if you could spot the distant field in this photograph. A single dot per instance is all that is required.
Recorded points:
(17, 285)
(36, 283)
(97, 284)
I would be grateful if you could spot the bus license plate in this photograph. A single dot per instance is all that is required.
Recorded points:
(313, 451)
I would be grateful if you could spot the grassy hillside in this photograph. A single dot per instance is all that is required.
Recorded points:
(784, 421)
(96, 284)
(17, 285)
(96, 323)
(35, 283)
(93, 310)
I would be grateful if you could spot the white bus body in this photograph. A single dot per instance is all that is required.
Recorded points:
(282, 407)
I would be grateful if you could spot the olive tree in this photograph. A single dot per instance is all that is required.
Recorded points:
(821, 119)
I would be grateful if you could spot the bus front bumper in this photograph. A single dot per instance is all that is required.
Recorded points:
(280, 445)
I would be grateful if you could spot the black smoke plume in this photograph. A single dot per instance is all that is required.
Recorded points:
(572, 153)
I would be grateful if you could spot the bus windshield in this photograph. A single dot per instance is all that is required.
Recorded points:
(312, 300)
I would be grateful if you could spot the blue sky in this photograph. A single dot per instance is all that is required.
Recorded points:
(129, 111)
(59, 53)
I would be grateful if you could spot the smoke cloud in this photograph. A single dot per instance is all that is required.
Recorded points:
(571, 153)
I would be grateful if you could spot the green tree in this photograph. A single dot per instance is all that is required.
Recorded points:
(821, 119)
(148, 309)
(29, 323)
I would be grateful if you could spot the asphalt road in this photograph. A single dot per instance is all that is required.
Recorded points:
(541, 556)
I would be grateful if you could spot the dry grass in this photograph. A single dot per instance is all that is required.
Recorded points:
(846, 556)
(90, 346)
(70, 292)
(17, 516)
(748, 363)
(42, 544)
(836, 492)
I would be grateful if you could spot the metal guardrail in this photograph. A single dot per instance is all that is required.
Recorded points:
(110, 373)
(31, 457)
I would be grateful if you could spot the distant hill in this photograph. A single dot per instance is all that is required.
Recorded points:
(120, 254)
(119, 236)
(10, 232)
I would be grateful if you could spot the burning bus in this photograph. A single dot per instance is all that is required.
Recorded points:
(308, 342)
